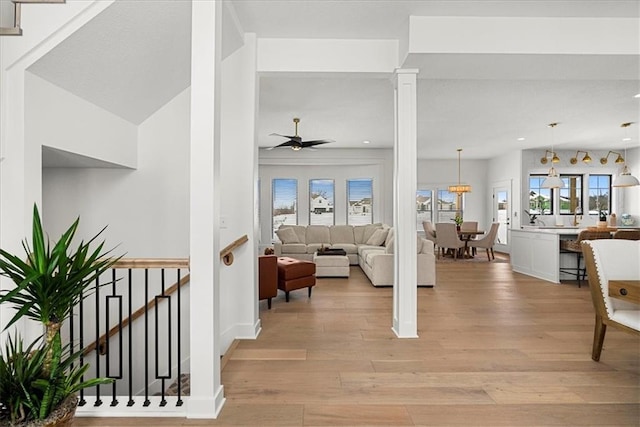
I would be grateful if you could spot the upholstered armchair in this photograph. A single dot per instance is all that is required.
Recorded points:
(611, 259)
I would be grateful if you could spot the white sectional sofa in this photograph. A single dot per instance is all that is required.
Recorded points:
(369, 246)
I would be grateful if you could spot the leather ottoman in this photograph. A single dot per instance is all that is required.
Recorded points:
(295, 274)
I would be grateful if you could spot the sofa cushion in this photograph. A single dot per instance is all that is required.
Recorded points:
(317, 234)
(294, 248)
(378, 237)
(341, 234)
(390, 235)
(361, 233)
(287, 235)
(314, 247)
(371, 255)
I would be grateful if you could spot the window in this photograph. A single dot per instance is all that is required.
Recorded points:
(285, 203)
(360, 198)
(571, 195)
(599, 194)
(447, 206)
(540, 199)
(423, 206)
(321, 202)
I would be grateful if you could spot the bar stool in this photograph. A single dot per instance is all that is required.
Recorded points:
(574, 247)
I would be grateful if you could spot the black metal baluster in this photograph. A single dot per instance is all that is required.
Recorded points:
(114, 401)
(130, 402)
(98, 402)
(82, 401)
(146, 338)
(179, 339)
(158, 299)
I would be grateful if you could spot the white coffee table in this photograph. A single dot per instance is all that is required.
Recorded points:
(331, 265)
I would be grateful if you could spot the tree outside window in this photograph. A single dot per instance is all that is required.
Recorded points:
(571, 195)
(599, 194)
(540, 199)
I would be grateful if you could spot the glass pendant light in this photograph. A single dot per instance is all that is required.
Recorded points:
(553, 180)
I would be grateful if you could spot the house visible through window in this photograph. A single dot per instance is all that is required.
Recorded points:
(599, 194)
(424, 207)
(285, 203)
(571, 195)
(540, 199)
(360, 201)
(321, 210)
(447, 206)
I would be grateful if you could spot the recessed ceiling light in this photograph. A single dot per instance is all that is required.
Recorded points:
(366, 142)
(626, 139)
(521, 139)
(637, 95)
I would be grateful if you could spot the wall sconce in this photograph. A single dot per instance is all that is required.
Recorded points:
(585, 159)
(605, 159)
(554, 157)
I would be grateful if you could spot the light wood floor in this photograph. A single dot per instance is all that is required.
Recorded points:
(495, 349)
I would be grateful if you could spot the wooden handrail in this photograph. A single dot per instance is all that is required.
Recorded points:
(227, 253)
(100, 342)
(152, 263)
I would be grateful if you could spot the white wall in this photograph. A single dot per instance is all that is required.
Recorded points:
(147, 209)
(238, 153)
(325, 163)
(61, 120)
(631, 195)
(439, 174)
(506, 170)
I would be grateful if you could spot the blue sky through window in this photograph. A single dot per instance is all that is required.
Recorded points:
(284, 192)
(359, 189)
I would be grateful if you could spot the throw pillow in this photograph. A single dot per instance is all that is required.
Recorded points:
(378, 237)
(287, 235)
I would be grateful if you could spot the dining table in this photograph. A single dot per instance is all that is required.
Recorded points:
(465, 236)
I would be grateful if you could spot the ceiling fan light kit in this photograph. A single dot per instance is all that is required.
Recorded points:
(295, 142)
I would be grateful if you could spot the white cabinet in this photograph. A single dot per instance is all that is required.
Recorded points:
(536, 254)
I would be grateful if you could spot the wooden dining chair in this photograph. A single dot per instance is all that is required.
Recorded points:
(611, 259)
(447, 238)
(488, 241)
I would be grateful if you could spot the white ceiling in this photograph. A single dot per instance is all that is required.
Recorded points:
(135, 56)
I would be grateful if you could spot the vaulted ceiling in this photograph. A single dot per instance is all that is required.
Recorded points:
(135, 56)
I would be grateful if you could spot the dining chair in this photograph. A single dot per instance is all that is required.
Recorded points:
(470, 226)
(430, 234)
(627, 234)
(574, 246)
(488, 241)
(610, 260)
(447, 238)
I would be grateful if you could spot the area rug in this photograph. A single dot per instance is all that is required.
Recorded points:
(481, 256)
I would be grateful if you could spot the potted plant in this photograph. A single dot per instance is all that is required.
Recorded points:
(38, 382)
(458, 220)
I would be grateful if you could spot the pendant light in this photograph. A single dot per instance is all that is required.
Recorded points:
(460, 188)
(625, 179)
(553, 180)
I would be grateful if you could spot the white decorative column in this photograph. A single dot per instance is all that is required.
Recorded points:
(206, 397)
(405, 290)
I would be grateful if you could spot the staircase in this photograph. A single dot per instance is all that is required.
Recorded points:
(16, 30)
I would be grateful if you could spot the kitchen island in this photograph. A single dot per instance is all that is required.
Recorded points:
(535, 251)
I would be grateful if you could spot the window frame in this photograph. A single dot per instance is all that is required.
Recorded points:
(542, 177)
(610, 191)
(332, 201)
(580, 191)
(273, 200)
(348, 195)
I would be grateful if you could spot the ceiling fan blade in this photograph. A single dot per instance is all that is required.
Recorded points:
(289, 143)
(279, 134)
(316, 142)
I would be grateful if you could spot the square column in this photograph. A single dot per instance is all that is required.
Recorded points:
(405, 288)
(207, 397)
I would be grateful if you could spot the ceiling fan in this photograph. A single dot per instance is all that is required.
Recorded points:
(295, 142)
